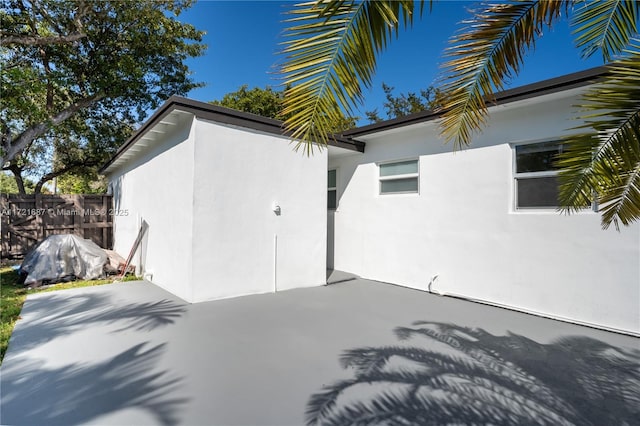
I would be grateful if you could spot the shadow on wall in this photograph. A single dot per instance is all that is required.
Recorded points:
(446, 374)
(73, 394)
(141, 254)
(54, 316)
(115, 189)
(331, 232)
(139, 260)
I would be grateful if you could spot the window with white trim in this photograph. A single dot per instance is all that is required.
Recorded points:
(399, 177)
(332, 190)
(536, 176)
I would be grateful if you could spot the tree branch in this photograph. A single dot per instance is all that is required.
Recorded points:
(8, 38)
(55, 173)
(17, 174)
(13, 146)
(30, 40)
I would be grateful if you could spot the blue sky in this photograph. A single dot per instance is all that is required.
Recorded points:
(243, 40)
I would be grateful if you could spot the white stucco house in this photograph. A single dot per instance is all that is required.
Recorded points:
(234, 210)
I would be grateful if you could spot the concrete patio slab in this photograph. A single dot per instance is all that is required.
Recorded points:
(133, 354)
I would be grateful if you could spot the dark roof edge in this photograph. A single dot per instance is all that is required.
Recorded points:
(544, 87)
(244, 119)
(225, 116)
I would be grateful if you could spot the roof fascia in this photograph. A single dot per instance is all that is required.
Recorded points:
(222, 115)
(545, 87)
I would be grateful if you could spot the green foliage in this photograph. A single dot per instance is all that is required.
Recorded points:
(405, 104)
(341, 123)
(12, 297)
(490, 49)
(264, 102)
(606, 26)
(68, 103)
(605, 164)
(89, 143)
(603, 160)
(270, 103)
(8, 184)
(88, 182)
(331, 49)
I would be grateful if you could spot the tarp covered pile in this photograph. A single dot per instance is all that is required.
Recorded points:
(63, 258)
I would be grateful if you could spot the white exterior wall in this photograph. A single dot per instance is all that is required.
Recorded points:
(207, 192)
(464, 229)
(239, 175)
(157, 187)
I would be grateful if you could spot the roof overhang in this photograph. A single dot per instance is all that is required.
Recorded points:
(169, 114)
(146, 136)
(171, 111)
(545, 87)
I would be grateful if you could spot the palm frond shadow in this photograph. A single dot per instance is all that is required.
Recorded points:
(58, 315)
(447, 374)
(78, 393)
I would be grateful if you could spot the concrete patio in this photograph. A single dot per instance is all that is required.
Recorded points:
(133, 354)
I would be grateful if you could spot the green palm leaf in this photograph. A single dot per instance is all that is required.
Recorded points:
(606, 25)
(489, 51)
(331, 51)
(605, 160)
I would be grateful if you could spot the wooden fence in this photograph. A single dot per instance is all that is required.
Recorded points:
(28, 219)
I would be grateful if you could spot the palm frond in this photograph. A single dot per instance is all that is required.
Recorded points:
(607, 26)
(605, 161)
(487, 52)
(331, 49)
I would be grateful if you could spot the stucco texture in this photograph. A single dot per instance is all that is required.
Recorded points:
(208, 193)
(462, 234)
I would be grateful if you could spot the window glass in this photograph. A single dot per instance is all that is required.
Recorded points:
(332, 194)
(332, 199)
(537, 192)
(536, 177)
(399, 177)
(400, 168)
(399, 185)
(332, 179)
(538, 157)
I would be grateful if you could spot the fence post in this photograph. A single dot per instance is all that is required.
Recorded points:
(105, 210)
(78, 217)
(40, 232)
(4, 223)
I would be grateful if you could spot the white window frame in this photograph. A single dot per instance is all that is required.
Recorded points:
(332, 188)
(530, 175)
(415, 175)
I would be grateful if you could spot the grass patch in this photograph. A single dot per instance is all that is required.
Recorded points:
(13, 295)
